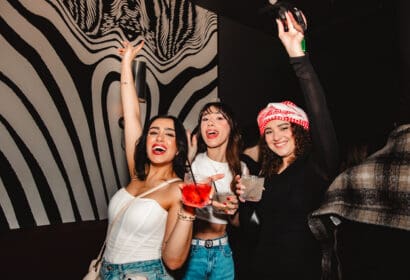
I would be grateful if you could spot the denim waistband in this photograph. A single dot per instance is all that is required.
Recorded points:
(143, 265)
(209, 243)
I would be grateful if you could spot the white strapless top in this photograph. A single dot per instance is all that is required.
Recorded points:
(137, 235)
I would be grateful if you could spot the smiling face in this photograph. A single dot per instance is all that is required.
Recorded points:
(280, 139)
(161, 141)
(215, 128)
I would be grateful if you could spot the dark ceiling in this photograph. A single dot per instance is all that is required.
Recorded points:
(322, 14)
(360, 48)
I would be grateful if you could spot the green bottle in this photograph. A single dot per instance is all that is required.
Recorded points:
(303, 43)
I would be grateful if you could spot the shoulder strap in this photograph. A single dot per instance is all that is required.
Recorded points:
(163, 184)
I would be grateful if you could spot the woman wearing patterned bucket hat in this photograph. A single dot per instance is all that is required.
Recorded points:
(299, 159)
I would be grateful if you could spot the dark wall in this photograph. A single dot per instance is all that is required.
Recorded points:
(253, 65)
(403, 26)
(354, 49)
(356, 56)
(253, 69)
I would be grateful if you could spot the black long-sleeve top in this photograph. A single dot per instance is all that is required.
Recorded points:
(286, 248)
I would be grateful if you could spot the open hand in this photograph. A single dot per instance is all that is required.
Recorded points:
(129, 52)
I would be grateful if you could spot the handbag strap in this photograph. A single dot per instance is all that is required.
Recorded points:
(119, 214)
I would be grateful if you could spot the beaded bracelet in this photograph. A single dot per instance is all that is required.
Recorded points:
(184, 217)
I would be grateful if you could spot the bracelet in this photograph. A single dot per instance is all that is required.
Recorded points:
(183, 217)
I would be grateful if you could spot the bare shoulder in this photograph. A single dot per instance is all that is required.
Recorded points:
(174, 189)
(171, 194)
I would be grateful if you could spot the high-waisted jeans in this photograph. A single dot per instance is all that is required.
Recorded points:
(151, 270)
(210, 259)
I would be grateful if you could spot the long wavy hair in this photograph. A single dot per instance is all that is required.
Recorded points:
(234, 142)
(142, 162)
(271, 162)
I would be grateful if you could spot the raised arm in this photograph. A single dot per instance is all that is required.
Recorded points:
(130, 104)
(322, 130)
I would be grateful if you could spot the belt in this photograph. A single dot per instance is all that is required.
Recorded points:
(209, 243)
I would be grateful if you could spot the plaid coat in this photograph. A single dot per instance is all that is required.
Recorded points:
(376, 192)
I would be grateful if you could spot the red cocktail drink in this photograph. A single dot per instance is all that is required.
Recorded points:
(196, 195)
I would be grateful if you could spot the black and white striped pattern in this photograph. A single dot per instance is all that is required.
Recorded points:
(60, 143)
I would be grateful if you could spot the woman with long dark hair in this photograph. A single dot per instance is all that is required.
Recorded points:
(218, 149)
(154, 233)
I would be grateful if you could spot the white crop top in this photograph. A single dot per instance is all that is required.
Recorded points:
(203, 165)
(138, 233)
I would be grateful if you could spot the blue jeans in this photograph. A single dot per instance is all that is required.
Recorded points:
(209, 261)
(151, 270)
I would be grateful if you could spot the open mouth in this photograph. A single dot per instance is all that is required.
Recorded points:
(158, 149)
(210, 134)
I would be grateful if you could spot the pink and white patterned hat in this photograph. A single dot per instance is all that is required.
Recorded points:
(286, 111)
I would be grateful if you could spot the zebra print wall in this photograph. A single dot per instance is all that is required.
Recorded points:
(60, 150)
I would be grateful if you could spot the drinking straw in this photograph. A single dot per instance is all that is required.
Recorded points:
(213, 183)
(193, 177)
(190, 171)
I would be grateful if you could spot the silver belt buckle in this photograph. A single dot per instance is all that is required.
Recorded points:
(209, 243)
